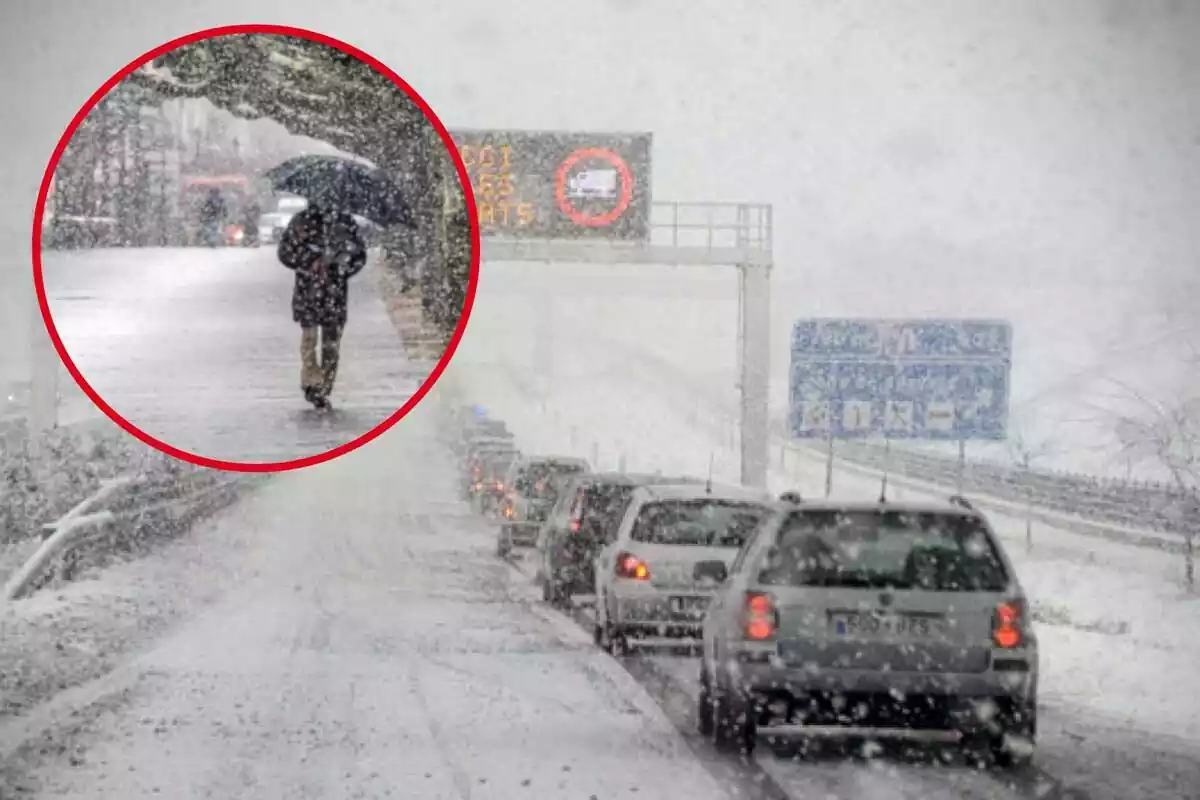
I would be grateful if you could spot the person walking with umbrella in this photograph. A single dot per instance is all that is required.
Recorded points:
(212, 216)
(323, 246)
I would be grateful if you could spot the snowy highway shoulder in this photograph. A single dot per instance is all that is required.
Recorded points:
(372, 647)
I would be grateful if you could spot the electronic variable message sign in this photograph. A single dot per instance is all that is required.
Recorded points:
(551, 185)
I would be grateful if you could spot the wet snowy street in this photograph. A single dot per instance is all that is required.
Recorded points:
(197, 347)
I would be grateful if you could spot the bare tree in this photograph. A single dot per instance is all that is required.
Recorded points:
(1165, 432)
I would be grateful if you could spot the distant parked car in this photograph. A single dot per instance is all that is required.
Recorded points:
(871, 619)
(650, 583)
(531, 489)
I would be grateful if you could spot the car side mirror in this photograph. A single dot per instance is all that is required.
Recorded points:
(710, 572)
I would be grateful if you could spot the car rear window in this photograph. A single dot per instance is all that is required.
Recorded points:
(703, 523)
(885, 549)
(543, 481)
(497, 464)
(604, 505)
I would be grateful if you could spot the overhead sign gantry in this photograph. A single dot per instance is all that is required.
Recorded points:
(585, 197)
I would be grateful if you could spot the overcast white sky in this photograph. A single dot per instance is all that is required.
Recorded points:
(1047, 141)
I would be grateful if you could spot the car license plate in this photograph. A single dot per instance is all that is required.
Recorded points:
(918, 626)
(688, 605)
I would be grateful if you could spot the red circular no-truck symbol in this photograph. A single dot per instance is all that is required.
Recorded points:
(582, 217)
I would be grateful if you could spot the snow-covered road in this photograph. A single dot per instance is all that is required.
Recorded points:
(368, 644)
(197, 347)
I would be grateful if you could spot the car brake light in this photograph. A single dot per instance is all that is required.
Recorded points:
(760, 619)
(630, 566)
(1006, 626)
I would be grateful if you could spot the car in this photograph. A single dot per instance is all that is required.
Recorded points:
(872, 619)
(483, 430)
(489, 497)
(465, 425)
(585, 518)
(475, 463)
(647, 585)
(531, 489)
(271, 226)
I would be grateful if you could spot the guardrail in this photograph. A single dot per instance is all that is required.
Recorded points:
(1145, 506)
(1115, 502)
(135, 509)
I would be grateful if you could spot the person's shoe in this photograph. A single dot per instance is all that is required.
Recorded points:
(312, 395)
(321, 401)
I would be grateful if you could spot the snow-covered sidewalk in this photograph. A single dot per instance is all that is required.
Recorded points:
(197, 347)
(365, 641)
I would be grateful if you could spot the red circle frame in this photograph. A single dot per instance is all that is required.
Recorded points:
(426, 386)
(577, 216)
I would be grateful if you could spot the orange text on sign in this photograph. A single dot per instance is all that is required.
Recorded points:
(490, 169)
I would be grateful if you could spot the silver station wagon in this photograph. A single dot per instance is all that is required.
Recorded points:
(872, 620)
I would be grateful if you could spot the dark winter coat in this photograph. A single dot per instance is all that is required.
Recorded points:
(320, 296)
(213, 211)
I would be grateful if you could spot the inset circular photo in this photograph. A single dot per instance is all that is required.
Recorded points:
(256, 248)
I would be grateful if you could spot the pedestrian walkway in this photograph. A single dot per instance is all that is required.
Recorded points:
(197, 348)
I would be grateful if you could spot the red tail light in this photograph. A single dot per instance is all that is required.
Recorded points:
(574, 526)
(760, 619)
(1007, 624)
(630, 566)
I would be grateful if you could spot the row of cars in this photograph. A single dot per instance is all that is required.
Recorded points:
(866, 619)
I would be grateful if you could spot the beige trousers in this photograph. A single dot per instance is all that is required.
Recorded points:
(319, 374)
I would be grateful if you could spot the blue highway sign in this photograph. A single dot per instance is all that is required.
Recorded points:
(937, 379)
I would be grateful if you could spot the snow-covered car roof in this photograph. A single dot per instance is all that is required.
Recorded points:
(702, 491)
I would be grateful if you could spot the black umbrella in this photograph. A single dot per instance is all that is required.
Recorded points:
(351, 186)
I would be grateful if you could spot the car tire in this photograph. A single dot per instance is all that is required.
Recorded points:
(733, 725)
(618, 644)
(609, 637)
(1022, 725)
(503, 544)
(1008, 760)
(704, 707)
